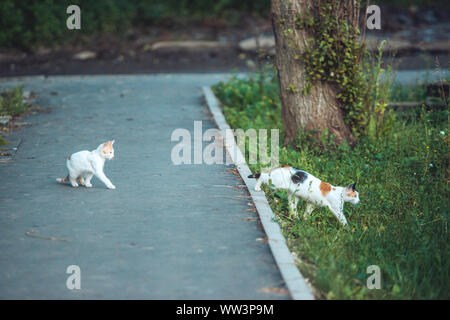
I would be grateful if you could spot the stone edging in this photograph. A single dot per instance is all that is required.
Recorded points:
(295, 282)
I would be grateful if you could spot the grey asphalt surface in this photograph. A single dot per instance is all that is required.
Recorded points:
(166, 232)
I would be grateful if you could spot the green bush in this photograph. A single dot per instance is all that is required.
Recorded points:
(12, 102)
(25, 24)
(401, 222)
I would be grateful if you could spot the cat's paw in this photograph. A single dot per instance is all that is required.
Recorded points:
(88, 185)
(74, 184)
(111, 187)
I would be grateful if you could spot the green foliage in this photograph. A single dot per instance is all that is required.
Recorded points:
(375, 93)
(401, 222)
(247, 107)
(12, 24)
(333, 54)
(415, 92)
(26, 24)
(12, 102)
(2, 141)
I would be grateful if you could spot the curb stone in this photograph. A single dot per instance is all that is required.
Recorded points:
(295, 282)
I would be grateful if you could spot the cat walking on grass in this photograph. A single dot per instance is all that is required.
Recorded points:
(300, 184)
(84, 164)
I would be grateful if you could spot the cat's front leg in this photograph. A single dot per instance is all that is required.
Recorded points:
(293, 201)
(258, 184)
(104, 179)
(309, 210)
(263, 178)
(339, 215)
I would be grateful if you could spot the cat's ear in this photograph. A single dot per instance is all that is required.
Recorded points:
(352, 186)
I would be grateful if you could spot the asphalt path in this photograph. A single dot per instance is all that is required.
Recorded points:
(166, 232)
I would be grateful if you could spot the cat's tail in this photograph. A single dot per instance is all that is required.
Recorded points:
(63, 180)
(256, 175)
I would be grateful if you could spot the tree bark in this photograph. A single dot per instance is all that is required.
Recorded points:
(318, 109)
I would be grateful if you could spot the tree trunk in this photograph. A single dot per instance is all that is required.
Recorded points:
(318, 109)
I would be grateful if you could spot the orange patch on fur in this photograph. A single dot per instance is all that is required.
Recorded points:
(325, 188)
(352, 194)
(107, 147)
(334, 188)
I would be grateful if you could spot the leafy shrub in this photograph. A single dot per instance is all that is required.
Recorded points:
(12, 102)
(26, 24)
(29, 23)
(377, 81)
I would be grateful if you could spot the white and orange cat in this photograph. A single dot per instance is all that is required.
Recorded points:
(301, 184)
(84, 164)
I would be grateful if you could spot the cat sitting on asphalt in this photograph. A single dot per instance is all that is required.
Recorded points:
(82, 165)
(300, 184)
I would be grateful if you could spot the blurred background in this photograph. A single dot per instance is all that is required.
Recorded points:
(143, 36)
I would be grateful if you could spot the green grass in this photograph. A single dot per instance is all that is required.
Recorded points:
(401, 222)
(400, 92)
(12, 104)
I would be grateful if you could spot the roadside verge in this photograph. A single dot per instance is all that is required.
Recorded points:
(295, 282)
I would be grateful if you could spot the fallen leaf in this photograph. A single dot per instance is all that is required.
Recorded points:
(282, 291)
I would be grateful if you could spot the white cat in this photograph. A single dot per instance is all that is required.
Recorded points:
(83, 164)
(301, 184)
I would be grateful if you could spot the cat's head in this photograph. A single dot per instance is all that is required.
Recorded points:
(350, 194)
(106, 150)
